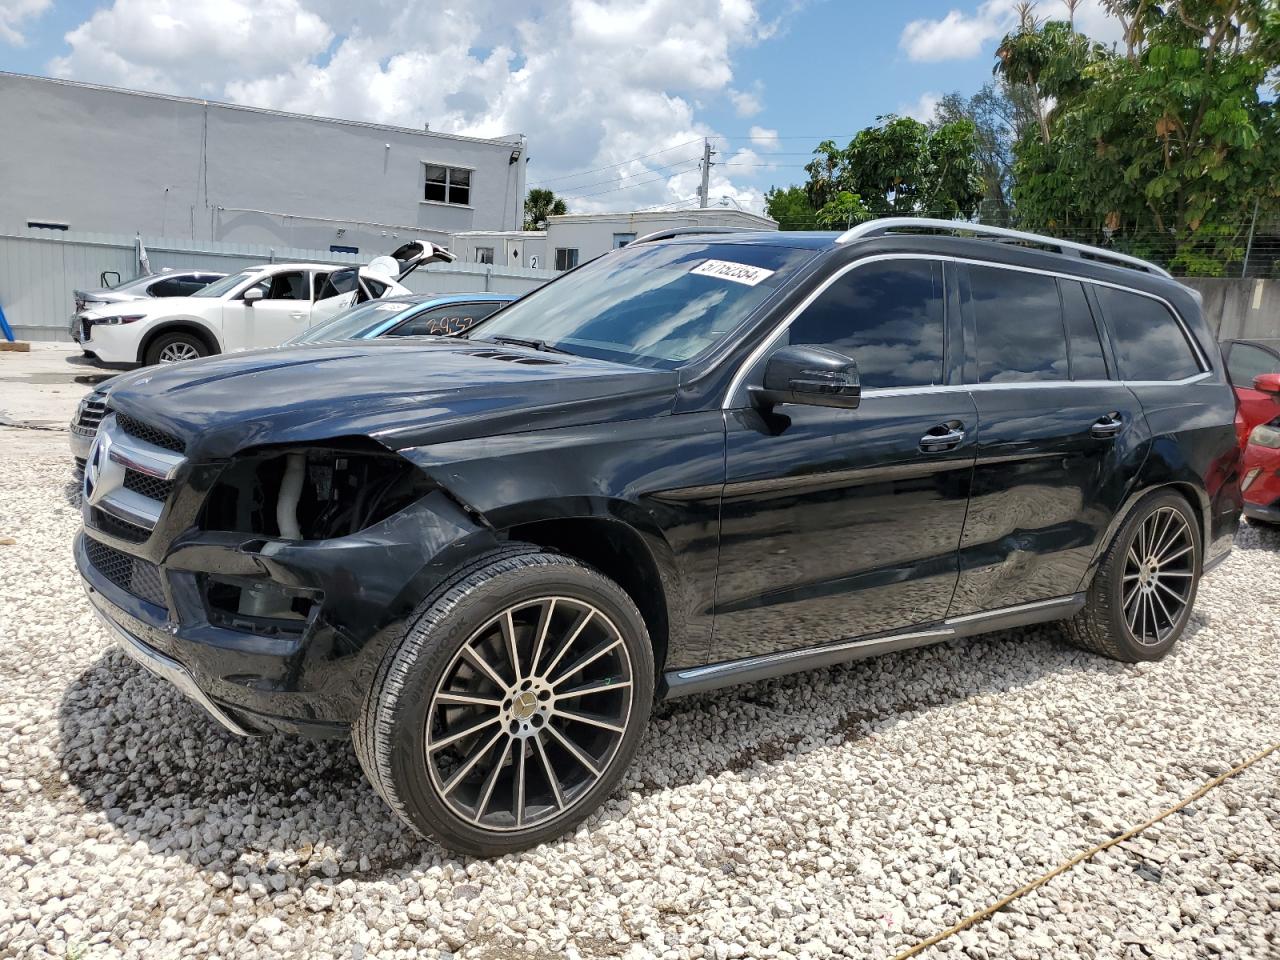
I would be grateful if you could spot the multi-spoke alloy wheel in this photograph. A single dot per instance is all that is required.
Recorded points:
(512, 705)
(529, 713)
(1141, 596)
(180, 350)
(1159, 573)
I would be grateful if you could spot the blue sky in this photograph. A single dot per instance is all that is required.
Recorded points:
(597, 85)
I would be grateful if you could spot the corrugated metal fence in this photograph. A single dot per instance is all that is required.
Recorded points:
(39, 273)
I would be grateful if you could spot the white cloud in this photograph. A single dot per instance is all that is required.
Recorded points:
(957, 36)
(190, 47)
(764, 138)
(744, 104)
(923, 108)
(591, 82)
(13, 13)
(961, 36)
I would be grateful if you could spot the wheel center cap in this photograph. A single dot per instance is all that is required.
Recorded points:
(523, 707)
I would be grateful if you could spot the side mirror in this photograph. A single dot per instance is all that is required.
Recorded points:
(1268, 383)
(810, 375)
(253, 294)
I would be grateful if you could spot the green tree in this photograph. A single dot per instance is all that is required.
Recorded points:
(1001, 114)
(790, 207)
(899, 167)
(1162, 147)
(540, 203)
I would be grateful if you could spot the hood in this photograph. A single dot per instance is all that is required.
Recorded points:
(401, 394)
(147, 306)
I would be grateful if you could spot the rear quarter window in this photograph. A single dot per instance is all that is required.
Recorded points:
(1149, 341)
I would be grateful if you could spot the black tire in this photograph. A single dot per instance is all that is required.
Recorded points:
(518, 805)
(1128, 615)
(160, 349)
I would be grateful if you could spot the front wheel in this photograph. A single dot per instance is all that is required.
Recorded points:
(1142, 594)
(175, 347)
(512, 706)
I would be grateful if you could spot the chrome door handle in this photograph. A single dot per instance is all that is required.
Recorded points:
(945, 436)
(1106, 427)
(297, 316)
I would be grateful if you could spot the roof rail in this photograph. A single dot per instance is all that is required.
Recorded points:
(875, 228)
(682, 232)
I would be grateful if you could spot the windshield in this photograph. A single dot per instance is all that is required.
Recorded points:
(356, 322)
(226, 284)
(652, 305)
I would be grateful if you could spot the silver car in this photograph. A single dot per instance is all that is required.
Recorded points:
(167, 283)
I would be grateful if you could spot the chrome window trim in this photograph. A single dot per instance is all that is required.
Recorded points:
(765, 345)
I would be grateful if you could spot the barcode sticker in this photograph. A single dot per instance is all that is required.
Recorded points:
(737, 272)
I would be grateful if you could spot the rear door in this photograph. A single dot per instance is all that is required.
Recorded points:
(1060, 438)
(835, 523)
(336, 292)
(1244, 362)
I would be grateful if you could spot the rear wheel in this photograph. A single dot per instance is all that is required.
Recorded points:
(175, 347)
(512, 707)
(1141, 597)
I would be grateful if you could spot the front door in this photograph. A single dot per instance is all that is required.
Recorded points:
(282, 312)
(1060, 439)
(845, 523)
(1244, 362)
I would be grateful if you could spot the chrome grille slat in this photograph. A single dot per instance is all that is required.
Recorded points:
(128, 479)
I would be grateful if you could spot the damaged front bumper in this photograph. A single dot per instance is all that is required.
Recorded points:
(306, 673)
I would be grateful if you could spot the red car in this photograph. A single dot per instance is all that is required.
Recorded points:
(1260, 468)
(1246, 360)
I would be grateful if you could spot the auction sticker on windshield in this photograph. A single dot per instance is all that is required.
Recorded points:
(737, 272)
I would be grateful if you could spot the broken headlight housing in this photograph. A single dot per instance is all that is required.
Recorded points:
(312, 492)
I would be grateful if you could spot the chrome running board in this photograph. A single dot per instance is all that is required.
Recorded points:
(680, 683)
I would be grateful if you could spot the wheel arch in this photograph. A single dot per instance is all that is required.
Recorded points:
(617, 549)
(1196, 498)
(179, 324)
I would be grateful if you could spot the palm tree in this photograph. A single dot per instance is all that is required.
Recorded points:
(540, 204)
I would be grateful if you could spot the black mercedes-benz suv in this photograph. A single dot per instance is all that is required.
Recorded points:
(706, 458)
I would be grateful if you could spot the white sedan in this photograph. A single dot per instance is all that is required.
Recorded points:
(258, 307)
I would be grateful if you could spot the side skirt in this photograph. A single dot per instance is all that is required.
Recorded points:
(681, 683)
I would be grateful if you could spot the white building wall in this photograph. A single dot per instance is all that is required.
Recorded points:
(106, 160)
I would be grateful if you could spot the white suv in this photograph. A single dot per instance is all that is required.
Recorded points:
(258, 307)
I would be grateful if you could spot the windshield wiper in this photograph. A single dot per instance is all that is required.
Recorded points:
(531, 344)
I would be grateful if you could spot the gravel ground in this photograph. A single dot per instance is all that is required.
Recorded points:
(847, 812)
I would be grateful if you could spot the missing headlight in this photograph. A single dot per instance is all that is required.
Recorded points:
(313, 493)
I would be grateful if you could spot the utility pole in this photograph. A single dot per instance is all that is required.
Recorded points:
(707, 154)
(1244, 270)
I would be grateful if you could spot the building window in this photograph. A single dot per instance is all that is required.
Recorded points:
(484, 254)
(566, 258)
(447, 185)
(622, 239)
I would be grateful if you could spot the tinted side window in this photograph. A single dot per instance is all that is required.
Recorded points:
(169, 287)
(443, 321)
(1087, 362)
(1247, 361)
(1149, 341)
(1019, 320)
(288, 286)
(887, 316)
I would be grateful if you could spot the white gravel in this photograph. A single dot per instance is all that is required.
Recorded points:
(848, 812)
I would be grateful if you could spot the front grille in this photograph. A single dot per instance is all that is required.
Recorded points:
(132, 574)
(148, 434)
(109, 523)
(89, 416)
(153, 487)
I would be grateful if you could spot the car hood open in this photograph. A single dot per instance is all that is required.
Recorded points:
(401, 394)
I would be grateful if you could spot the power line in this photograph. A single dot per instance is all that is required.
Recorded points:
(629, 186)
(620, 163)
(631, 176)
